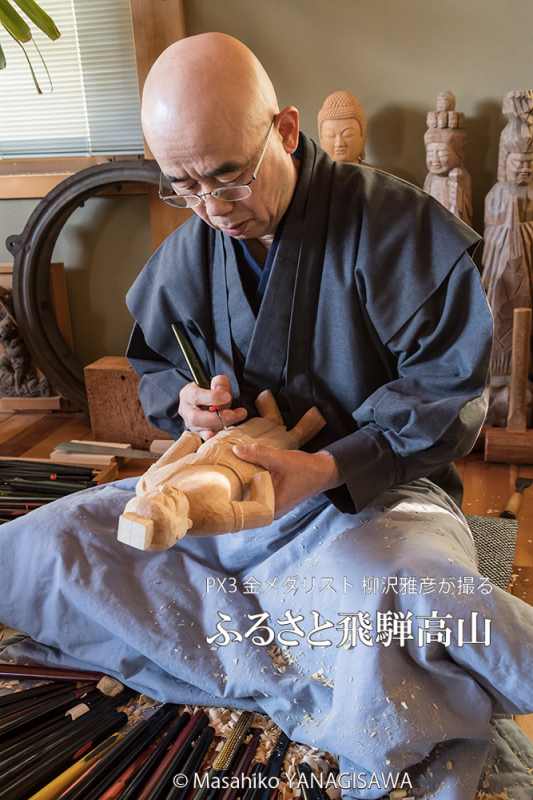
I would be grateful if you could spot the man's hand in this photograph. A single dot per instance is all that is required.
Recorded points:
(296, 475)
(195, 402)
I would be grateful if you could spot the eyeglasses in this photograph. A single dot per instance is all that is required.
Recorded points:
(230, 194)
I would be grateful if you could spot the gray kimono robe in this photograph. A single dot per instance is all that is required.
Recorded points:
(373, 311)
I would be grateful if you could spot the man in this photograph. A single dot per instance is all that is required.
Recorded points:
(332, 285)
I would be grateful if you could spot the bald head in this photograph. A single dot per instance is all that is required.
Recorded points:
(211, 118)
(203, 87)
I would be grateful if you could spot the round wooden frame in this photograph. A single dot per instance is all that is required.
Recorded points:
(32, 250)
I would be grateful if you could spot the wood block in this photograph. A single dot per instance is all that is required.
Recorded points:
(114, 407)
(509, 447)
(31, 403)
(82, 459)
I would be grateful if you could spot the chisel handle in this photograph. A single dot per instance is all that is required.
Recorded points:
(513, 506)
(517, 416)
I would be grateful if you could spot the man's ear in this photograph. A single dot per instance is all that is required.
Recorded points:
(288, 124)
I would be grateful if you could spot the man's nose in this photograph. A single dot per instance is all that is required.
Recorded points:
(217, 207)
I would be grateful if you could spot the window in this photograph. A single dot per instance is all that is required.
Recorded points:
(94, 107)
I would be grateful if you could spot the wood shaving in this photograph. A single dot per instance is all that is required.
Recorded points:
(323, 679)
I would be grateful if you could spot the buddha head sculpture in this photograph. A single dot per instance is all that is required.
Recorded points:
(342, 127)
(515, 164)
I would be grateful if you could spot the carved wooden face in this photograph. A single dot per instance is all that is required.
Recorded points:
(519, 168)
(342, 139)
(441, 158)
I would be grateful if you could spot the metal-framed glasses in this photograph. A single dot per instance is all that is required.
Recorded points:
(230, 194)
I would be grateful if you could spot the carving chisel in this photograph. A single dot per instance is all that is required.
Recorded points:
(193, 362)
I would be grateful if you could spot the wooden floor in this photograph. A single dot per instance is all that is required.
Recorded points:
(487, 486)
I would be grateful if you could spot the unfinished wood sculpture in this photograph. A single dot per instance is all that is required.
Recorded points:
(508, 248)
(447, 180)
(514, 444)
(342, 127)
(204, 488)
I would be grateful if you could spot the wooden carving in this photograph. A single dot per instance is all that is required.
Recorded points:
(508, 249)
(18, 377)
(204, 488)
(342, 127)
(447, 179)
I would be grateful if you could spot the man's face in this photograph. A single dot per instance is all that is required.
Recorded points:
(342, 139)
(229, 158)
(440, 158)
(520, 168)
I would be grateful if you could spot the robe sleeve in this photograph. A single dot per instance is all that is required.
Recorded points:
(432, 410)
(160, 384)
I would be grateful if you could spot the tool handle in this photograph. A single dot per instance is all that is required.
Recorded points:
(191, 356)
(513, 506)
(517, 416)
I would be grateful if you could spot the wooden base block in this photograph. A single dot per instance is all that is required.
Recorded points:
(509, 447)
(114, 407)
(36, 404)
(135, 531)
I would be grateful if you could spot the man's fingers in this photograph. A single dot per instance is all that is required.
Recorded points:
(268, 457)
(199, 420)
(205, 435)
(221, 391)
(221, 382)
(207, 397)
(232, 416)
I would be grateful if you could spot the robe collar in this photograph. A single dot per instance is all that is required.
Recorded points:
(266, 341)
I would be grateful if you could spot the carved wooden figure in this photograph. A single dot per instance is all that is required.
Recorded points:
(447, 181)
(204, 488)
(508, 247)
(342, 127)
(18, 377)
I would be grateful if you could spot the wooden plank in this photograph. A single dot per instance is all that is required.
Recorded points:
(156, 25)
(29, 439)
(35, 177)
(15, 423)
(36, 404)
(65, 428)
